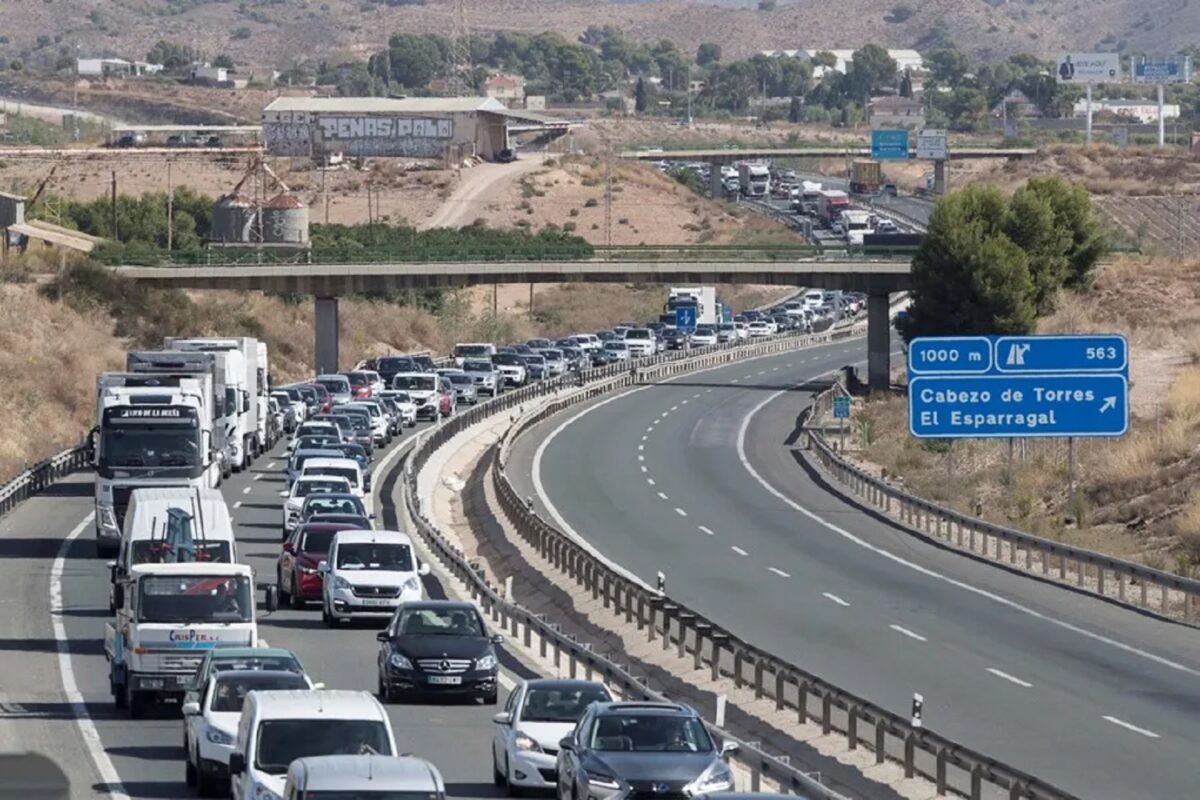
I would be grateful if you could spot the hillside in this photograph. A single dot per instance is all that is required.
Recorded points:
(283, 32)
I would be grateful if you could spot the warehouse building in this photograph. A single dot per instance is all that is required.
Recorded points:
(450, 128)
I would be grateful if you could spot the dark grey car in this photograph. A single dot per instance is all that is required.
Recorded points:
(641, 751)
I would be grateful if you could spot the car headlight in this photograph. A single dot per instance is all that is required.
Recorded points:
(717, 778)
(218, 736)
(341, 583)
(488, 662)
(410, 585)
(400, 661)
(108, 519)
(263, 793)
(602, 781)
(524, 742)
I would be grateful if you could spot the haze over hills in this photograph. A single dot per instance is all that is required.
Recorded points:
(283, 32)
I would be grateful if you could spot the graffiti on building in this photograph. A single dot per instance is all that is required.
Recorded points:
(367, 127)
(301, 134)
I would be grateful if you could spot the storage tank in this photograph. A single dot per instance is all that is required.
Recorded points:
(233, 220)
(285, 220)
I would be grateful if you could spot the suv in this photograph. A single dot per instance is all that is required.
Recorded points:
(422, 389)
(641, 750)
(368, 574)
(640, 342)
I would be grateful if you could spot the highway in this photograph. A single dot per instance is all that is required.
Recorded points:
(695, 477)
(36, 712)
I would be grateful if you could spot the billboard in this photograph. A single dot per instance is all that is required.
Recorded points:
(889, 145)
(1088, 68)
(1171, 69)
(931, 144)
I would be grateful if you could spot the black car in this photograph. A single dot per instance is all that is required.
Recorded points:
(359, 522)
(506, 156)
(678, 340)
(535, 366)
(359, 454)
(389, 367)
(437, 646)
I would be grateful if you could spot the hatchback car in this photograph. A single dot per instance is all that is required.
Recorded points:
(635, 750)
(306, 547)
(705, 335)
(437, 647)
(464, 386)
(301, 488)
(369, 574)
(333, 503)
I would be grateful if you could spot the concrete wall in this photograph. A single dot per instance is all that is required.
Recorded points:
(428, 135)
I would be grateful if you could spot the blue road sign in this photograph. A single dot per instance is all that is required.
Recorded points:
(1062, 354)
(988, 406)
(950, 355)
(1172, 69)
(727, 313)
(685, 318)
(841, 408)
(889, 145)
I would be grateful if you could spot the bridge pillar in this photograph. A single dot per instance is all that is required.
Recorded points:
(715, 186)
(879, 343)
(939, 178)
(326, 329)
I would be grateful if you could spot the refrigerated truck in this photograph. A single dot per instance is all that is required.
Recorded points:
(704, 298)
(151, 431)
(831, 204)
(754, 180)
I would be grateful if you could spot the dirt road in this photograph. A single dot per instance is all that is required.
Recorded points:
(479, 186)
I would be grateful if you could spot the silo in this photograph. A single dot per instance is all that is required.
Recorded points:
(233, 220)
(285, 220)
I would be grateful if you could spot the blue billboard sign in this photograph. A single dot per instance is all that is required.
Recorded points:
(1172, 69)
(889, 145)
(841, 408)
(685, 318)
(999, 386)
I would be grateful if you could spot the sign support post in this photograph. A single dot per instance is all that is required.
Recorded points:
(1071, 473)
(1089, 112)
(1162, 125)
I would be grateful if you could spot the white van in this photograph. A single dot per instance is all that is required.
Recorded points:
(473, 350)
(170, 524)
(813, 298)
(278, 727)
(363, 776)
(346, 468)
(368, 574)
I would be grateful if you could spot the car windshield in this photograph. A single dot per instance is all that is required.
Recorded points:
(534, 359)
(150, 446)
(387, 556)
(229, 693)
(240, 663)
(507, 359)
(468, 350)
(355, 521)
(355, 451)
(336, 387)
(560, 704)
(639, 333)
(159, 551)
(358, 422)
(341, 504)
(614, 346)
(282, 741)
(439, 622)
(316, 541)
(460, 379)
(349, 473)
(394, 364)
(195, 598)
(650, 733)
(400, 397)
(417, 383)
(305, 488)
(358, 379)
(552, 353)
(704, 330)
(477, 366)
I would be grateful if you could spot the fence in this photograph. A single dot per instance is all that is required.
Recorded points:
(36, 478)
(1118, 580)
(949, 765)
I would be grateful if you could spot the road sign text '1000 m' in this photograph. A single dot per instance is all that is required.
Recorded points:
(999, 386)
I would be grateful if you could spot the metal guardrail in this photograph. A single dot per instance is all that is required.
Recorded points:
(1115, 579)
(525, 625)
(949, 765)
(37, 477)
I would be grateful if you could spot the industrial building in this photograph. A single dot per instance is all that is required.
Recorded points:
(448, 128)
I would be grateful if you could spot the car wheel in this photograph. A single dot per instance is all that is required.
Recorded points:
(489, 698)
(326, 617)
(297, 602)
(206, 786)
(509, 787)
(189, 770)
(497, 775)
(284, 595)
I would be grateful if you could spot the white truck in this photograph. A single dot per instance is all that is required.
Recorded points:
(704, 298)
(227, 374)
(167, 616)
(250, 438)
(855, 225)
(754, 180)
(151, 430)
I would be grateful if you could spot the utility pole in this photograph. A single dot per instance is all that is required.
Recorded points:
(113, 205)
(460, 50)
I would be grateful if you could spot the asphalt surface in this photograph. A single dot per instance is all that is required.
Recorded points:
(35, 713)
(1097, 699)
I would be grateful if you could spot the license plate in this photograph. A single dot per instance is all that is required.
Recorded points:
(376, 602)
(445, 680)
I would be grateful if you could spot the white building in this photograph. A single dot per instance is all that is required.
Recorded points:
(906, 60)
(1144, 111)
(118, 67)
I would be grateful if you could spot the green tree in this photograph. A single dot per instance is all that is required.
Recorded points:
(639, 96)
(871, 70)
(223, 61)
(795, 110)
(1085, 239)
(174, 57)
(1031, 225)
(947, 66)
(824, 59)
(968, 276)
(708, 53)
(414, 60)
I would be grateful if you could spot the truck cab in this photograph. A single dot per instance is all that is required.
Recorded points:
(167, 616)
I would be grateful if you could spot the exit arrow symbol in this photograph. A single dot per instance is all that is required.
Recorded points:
(1109, 402)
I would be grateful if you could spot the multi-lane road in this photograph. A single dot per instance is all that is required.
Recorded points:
(144, 758)
(696, 477)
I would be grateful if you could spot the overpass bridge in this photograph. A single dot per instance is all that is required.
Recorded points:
(878, 275)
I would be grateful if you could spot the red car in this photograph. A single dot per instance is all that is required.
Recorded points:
(446, 397)
(304, 549)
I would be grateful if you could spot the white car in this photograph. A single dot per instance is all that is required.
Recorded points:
(314, 428)
(618, 350)
(376, 381)
(346, 468)
(302, 487)
(640, 342)
(408, 409)
(380, 424)
(210, 724)
(368, 574)
(759, 328)
(705, 335)
(886, 226)
(538, 715)
(422, 390)
(743, 331)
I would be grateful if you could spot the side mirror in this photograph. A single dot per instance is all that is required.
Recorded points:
(371, 516)
(323, 568)
(728, 747)
(497, 639)
(288, 547)
(284, 493)
(272, 593)
(567, 744)
(190, 709)
(382, 636)
(423, 569)
(237, 763)
(118, 596)
(90, 446)
(503, 718)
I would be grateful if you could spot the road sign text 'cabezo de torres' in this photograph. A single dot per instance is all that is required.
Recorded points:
(1000, 386)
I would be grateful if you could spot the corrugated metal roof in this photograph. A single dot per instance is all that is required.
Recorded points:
(380, 105)
(527, 116)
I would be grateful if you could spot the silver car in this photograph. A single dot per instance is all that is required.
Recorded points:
(484, 373)
(464, 386)
(365, 775)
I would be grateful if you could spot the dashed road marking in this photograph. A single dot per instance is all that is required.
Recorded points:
(644, 468)
(708, 391)
(641, 457)
(735, 380)
(778, 572)
(908, 633)
(683, 402)
(696, 396)
(664, 413)
(706, 530)
(680, 512)
(643, 437)
(271, 465)
(1134, 728)
(650, 481)
(238, 504)
(739, 551)
(641, 447)
(675, 408)
(1009, 678)
(662, 496)
(257, 476)
(836, 599)
(246, 490)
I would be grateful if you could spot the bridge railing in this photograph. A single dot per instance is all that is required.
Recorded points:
(37, 477)
(1115, 579)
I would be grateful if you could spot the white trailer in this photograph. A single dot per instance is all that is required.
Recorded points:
(754, 179)
(708, 311)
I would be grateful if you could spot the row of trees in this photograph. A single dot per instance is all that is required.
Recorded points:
(991, 264)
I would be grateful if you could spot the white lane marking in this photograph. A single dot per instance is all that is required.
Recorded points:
(774, 369)
(908, 633)
(644, 468)
(675, 408)
(643, 437)
(778, 572)
(762, 372)
(706, 530)
(696, 396)
(270, 465)
(649, 429)
(641, 457)
(641, 447)
(735, 380)
(650, 481)
(246, 490)
(739, 551)
(681, 512)
(926, 571)
(257, 476)
(683, 402)
(1134, 728)
(1009, 678)
(238, 504)
(708, 391)
(87, 728)
(836, 599)
(664, 413)
(662, 496)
